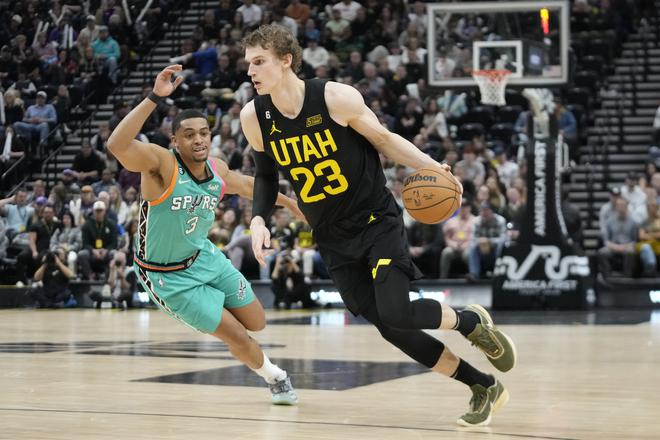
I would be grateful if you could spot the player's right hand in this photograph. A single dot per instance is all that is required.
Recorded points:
(164, 86)
(447, 168)
(260, 239)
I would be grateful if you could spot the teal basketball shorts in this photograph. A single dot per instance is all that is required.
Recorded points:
(196, 295)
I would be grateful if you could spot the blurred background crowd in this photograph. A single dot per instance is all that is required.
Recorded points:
(82, 226)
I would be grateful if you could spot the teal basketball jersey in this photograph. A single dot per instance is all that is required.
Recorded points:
(175, 226)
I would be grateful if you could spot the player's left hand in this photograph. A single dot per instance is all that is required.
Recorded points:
(164, 86)
(260, 238)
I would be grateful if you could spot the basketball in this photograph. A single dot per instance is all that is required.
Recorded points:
(431, 196)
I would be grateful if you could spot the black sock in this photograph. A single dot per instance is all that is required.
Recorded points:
(469, 375)
(466, 321)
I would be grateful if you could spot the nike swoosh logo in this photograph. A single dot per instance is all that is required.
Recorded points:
(184, 181)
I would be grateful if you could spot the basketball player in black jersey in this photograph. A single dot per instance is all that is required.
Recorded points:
(326, 141)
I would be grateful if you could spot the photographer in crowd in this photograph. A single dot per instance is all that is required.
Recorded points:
(287, 278)
(120, 285)
(288, 282)
(39, 235)
(54, 276)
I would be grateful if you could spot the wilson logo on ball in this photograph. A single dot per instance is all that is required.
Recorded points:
(419, 178)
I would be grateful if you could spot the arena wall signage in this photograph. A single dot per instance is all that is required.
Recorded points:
(542, 267)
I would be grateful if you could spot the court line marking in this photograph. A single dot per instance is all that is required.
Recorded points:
(476, 430)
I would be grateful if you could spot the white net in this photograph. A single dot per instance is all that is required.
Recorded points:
(492, 84)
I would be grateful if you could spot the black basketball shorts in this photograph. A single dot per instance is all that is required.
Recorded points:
(360, 250)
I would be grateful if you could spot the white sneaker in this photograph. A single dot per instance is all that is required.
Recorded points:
(283, 393)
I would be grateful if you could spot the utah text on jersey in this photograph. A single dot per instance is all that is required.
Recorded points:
(301, 149)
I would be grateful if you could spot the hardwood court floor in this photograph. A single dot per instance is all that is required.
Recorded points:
(104, 374)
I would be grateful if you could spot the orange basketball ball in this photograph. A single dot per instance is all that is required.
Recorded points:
(431, 196)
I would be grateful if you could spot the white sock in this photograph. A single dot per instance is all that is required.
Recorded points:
(270, 372)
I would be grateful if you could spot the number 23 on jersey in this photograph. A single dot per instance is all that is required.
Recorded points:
(329, 169)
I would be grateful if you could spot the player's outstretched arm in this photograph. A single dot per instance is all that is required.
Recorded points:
(237, 183)
(135, 155)
(347, 107)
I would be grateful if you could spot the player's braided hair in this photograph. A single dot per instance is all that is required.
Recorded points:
(278, 39)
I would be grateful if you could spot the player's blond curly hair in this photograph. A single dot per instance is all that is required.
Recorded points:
(278, 39)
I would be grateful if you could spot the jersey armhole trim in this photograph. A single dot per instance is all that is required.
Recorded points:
(170, 188)
(222, 182)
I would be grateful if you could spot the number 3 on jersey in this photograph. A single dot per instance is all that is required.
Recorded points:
(193, 224)
(337, 183)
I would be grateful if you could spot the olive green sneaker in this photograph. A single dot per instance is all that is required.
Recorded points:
(484, 402)
(497, 346)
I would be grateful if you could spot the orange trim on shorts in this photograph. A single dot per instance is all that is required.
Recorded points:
(158, 269)
(170, 188)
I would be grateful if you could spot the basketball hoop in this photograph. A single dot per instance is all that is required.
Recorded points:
(492, 84)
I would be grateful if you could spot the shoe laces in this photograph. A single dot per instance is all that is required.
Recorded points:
(478, 398)
(484, 340)
(281, 386)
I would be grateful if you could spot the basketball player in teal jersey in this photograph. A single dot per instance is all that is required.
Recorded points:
(183, 271)
(326, 141)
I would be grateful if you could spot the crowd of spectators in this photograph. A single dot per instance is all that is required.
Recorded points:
(89, 218)
(52, 55)
(630, 223)
(630, 220)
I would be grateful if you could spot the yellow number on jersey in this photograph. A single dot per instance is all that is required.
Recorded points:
(335, 176)
(307, 186)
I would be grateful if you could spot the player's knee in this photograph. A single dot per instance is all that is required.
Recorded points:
(388, 333)
(396, 321)
(256, 324)
(395, 318)
(391, 287)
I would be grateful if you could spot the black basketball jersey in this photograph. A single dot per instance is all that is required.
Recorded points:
(335, 172)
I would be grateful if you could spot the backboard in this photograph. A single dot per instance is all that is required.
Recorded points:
(529, 38)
